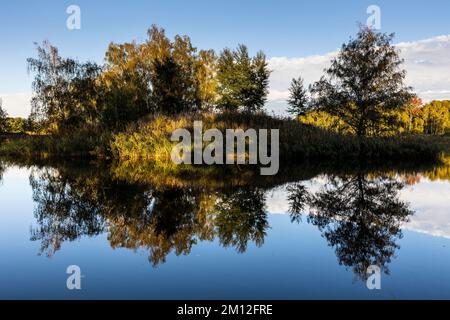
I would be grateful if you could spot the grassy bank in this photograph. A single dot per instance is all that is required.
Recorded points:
(149, 141)
(80, 145)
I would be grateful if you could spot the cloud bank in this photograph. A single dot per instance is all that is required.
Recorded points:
(428, 200)
(17, 104)
(427, 63)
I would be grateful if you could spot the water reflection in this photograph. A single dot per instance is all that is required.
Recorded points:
(66, 209)
(158, 219)
(3, 167)
(359, 213)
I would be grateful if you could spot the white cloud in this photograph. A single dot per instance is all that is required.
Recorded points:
(430, 203)
(427, 63)
(17, 104)
(428, 200)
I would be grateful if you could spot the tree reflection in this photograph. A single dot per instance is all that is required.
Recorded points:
(359, 215)
(2, 170)
(298, 197)
(241, 218)
(62, 212)
(156, 219)
(172, 221)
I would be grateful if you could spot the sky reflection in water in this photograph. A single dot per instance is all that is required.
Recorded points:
(300, 237)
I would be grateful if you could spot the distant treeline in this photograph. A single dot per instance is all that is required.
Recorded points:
(17, 125)
(415, 118)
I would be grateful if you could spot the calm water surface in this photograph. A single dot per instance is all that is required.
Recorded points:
(309, 235)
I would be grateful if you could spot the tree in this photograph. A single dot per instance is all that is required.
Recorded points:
(182, 79)
(436, 116)
(364, 82)
(174, 82)
(324, 120)
(65, 93)
(206, 70)
(242, 81)
(16, 125)
(298, 100)
(158, 76)
(3, 115)
(125, 84)
(413, 111)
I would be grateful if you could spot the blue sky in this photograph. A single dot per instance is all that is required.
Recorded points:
(280, 28)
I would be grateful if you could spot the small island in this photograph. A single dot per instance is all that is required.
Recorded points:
(126, 109)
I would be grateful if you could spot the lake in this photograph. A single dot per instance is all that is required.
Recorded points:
(309, 233)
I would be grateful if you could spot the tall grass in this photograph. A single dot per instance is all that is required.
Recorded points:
(149, 140)
(82, 144)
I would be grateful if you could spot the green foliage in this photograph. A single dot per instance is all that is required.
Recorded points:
(242, 81)
(158, 76)
(436, 117)
(65, 91)
(125, 86)
(364, 83)
(149, 141)
(298, 100)
(129, 107)
(324, 120)
(138, 79)
(415, 118)
(174, 82)
(82, 144)
(3, 115)
(18, 125)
